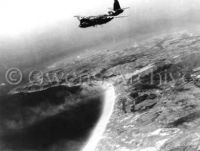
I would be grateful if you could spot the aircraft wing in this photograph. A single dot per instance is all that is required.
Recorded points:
(81, 17)
(116, 16)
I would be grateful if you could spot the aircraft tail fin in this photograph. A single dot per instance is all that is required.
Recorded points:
(116, 5)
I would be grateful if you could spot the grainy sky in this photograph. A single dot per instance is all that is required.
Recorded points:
(33, 32)
(30, 15)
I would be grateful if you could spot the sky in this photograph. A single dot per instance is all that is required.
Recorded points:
(29, 15)
(40, 32)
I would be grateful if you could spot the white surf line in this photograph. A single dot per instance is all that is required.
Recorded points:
(109, 101)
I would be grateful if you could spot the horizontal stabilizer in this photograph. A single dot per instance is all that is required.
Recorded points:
(119, 9)
(120, 16)
(125, 8)
(117, 16)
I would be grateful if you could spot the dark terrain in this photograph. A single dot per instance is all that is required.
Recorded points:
(158, 96)
(57, 118)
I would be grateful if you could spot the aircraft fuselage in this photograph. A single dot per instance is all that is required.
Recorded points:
(94, 21)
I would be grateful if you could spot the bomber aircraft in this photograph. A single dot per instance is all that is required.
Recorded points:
(92, 21)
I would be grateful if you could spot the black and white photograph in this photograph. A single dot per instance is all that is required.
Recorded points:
(99, 75)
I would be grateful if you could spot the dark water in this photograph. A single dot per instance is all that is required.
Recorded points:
(59, 118)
